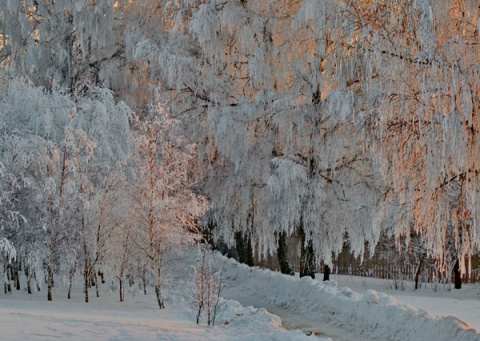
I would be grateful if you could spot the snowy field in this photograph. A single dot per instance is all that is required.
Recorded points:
(348, 308)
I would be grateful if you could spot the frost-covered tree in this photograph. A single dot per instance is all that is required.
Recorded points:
(414, 69)
(246, 78)
(59, 151)
(365, 110)
(373, 103)
(163, 201)
(8, 252)
(60, 42)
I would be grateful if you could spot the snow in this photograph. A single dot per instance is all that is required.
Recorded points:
(31, 317)
(328, 310)
(438, 299)
(38, 320)
(369, 315)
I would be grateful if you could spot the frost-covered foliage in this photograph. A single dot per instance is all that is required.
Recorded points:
(415, 66)
(61, 42)
(375, 102)
(58, 151)
(340, 119)
(280, 150)
(164, 206)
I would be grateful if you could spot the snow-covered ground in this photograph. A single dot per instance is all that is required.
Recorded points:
(23, 319)
(438, 299)
(326, 310)
(333, 309)
(30, 317)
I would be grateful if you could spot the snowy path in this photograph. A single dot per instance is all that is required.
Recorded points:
(290, 320)
(307, 321)
(339, 312)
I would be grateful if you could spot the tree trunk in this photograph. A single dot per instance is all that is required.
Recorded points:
(145, 288)
(244, 249)
(97, 285)
(158, 293)
(9, 277)
(6, 283)
(157, 268)
(282, 255)
(70, 281)
(326, 273)
(457, 275)
(144, 279)
(307, 257)
(29, 279)
(86, 283)
(120, 289)
(49, 280)
(419, 269)
(86, 267)
(16, 274)
(36, 282)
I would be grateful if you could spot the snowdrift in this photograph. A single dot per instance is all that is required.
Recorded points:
(371, 315)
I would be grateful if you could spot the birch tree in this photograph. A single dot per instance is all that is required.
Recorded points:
(415, 68)
(256, 101)
(61, 42)
(59, 149)
(384, 94)
(164, 203)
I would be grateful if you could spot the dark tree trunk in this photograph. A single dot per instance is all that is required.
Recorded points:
(5, 270)
(157, 265)
(144, 279)
(307, 257)
(8, 284)
(70, 280)
(419, 270)
(282, 255)
(120, 280)
(50, 280)
(457, 275)
(86, 284)
(158, 293)
(326, 273)
(97, 285)
(70, 284)
(86, 269)
(16, 274)
(29, 278)
(244, 249)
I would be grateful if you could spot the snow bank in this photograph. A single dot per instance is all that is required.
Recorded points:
(252, 324)
(234, 322)
(372, 315)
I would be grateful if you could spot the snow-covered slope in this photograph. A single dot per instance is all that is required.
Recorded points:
(372, 315)
(324, 309)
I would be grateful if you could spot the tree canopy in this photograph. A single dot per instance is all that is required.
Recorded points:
(343, 119)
